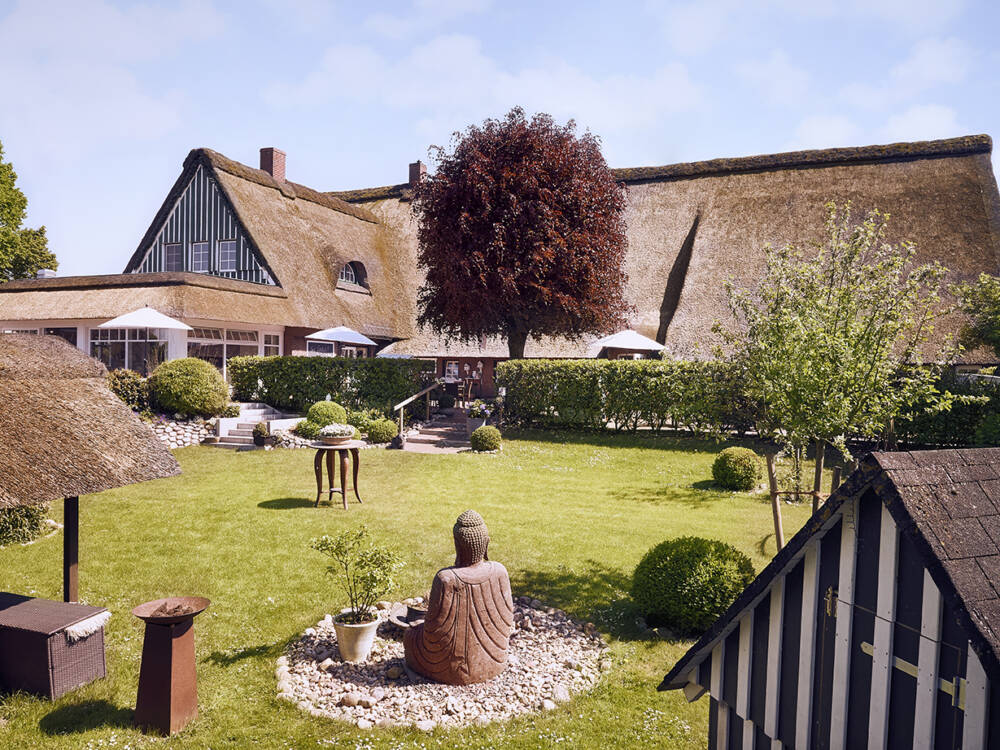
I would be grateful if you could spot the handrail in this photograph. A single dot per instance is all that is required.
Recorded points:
(415, 396)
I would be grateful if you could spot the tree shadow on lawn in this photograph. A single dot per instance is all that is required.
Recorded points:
(596, 592)
(82, 717)
(286, 503)
(697, 495)
(228, 658)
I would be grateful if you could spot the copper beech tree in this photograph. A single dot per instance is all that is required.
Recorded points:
(521, 234)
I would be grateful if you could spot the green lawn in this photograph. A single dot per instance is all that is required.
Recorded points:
(570, 516)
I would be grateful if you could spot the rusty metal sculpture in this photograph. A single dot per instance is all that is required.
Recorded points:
(470, 616)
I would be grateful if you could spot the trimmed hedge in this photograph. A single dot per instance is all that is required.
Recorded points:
(624, 394)
(737, 469)
(485, 438)
(295, 383)
(327, 412)
(190, 387)
(130, 387)
(382, 431)
(968, 422)
(22, 524)
(688, 582)
(307, 429)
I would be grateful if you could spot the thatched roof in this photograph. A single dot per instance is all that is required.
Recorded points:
(693, 226)
(428, 344)
(64, 433)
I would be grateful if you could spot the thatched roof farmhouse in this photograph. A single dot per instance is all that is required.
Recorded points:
(254, 262)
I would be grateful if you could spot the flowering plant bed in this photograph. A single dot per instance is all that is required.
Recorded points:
(480, 410)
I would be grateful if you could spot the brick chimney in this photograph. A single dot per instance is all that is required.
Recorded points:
(418, 170)
(272, 161)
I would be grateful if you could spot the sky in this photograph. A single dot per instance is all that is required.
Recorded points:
(100, 101)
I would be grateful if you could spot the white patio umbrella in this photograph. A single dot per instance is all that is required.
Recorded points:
(343, 335)
(626, 340)
(146, 317)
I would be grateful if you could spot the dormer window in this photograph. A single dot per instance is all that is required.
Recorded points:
(347, 274)
(353, 275)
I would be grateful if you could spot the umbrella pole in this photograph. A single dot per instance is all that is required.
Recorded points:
(71, 547)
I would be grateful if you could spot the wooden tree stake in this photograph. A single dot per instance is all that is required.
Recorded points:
(772, 481)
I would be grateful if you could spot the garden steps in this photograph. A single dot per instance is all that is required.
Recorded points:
(446, 435)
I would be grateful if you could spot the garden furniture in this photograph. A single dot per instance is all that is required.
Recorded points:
(168, 683)
(49, 648)
(342, 450)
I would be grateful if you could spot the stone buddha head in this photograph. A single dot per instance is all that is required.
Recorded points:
(471, 539)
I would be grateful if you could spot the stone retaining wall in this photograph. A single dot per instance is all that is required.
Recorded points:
(179, 434)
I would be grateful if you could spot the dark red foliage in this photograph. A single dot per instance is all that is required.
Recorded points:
(521, 233)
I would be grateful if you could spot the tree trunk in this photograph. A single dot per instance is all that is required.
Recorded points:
(818, 476)
(772, 481)
(516, 340)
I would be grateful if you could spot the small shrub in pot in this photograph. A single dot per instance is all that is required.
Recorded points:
(737, 469)
(485, 438)
(688, 582)
(260, 433)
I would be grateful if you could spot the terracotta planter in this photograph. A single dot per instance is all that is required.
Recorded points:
(336, 440)
(355, 641)
(471, 425)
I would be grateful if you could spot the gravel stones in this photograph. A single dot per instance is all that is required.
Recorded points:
(551, 656)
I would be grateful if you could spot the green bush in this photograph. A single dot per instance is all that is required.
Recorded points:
(130, 387)
(307, 429)
(446, 401)
(295, 383)
(327, 412)
(737, 469)
(231, 410)
(485, 438)
(190, 387)
(22, 524)
(688, 582)
(976, 406)
(988, 432)
(703, 397)
(382, 430)
(363, 419)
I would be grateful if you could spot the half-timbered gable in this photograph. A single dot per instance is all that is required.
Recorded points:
(878, 625)
(198, 230)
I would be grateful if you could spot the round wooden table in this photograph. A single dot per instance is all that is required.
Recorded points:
(342, 450)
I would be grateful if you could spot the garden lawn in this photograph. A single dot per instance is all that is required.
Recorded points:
(570, 516)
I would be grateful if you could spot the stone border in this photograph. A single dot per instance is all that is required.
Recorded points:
(551, 657)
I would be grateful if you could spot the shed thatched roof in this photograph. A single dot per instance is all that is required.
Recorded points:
(64, 433)
(693, 226)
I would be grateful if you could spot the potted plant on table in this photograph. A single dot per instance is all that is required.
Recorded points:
(478, 413)
(366, 570)
(336, 433)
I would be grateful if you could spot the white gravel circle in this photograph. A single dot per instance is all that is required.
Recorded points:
(551, 656)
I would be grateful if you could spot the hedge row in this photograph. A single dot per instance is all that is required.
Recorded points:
(623, 394)
(973, 420)
(295, 383)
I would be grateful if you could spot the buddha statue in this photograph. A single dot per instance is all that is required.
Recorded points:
(470, 615)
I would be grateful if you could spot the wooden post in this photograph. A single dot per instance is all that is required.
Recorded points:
(818, 475)
(428, 414)
(71, 548)
(772, 481)
(835, 482)
(401, 411)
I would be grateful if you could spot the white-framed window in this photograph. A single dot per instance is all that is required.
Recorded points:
(347, 274)
(241, 336)
(20, 330)
(451, 369)
(173, 257)
(354, 352)
(228, 255)
(139, 349)
(217, 346)
(323, 348)
(272, 344)
(201, 257)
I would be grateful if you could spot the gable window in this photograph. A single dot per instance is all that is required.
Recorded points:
(227, 255)
(173, 258)
(200, 256)
(347, 274)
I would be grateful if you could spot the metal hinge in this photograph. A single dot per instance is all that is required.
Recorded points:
(831, 602)
(955, 688)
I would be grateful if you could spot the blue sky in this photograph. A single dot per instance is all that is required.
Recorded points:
(102, 100)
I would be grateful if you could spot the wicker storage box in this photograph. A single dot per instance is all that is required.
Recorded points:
(36, 655)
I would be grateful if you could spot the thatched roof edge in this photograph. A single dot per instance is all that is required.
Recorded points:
(158, 278)
(362, 195)
(961, 146)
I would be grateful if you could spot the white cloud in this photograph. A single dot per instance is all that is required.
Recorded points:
(70, 74)
(449, 82)
(824, 131)
(425, 16)
(777, 77)
(694, 27)
(923, 122)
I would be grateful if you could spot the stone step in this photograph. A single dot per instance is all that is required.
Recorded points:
(241, 432)
(236, 440)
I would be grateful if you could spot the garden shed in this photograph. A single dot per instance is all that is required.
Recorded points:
(65, 434)
(877, 625)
